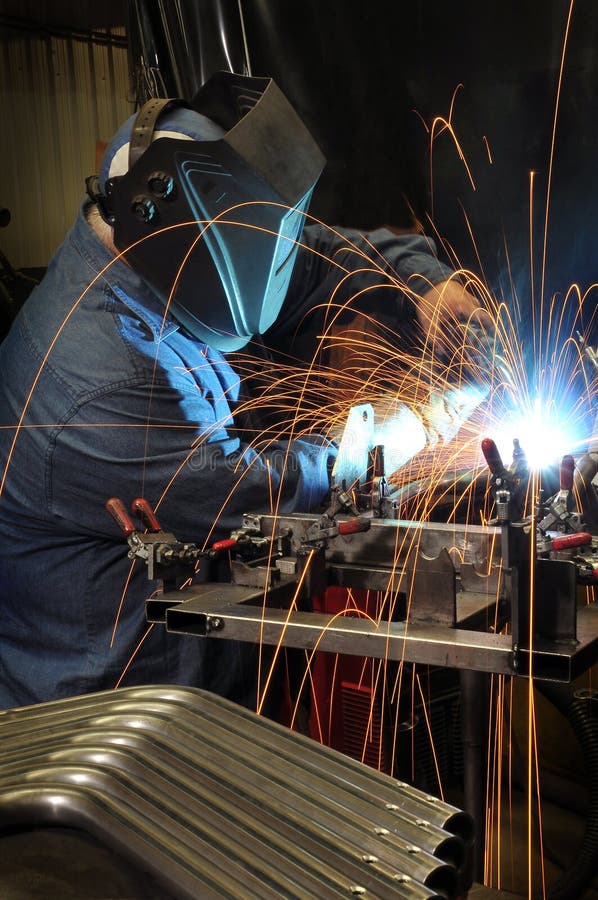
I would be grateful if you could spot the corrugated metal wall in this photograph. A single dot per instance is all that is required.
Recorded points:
(59, 96)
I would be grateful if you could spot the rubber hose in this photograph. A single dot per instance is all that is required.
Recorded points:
(581, 710)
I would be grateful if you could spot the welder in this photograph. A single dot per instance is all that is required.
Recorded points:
(116, 372)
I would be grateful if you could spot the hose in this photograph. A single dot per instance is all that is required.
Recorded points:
(581, 710)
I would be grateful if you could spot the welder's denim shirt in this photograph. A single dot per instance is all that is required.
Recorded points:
(113, 398)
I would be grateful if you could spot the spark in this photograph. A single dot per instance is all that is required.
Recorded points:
(433, 403)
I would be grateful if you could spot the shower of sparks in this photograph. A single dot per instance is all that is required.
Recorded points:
(433, 401)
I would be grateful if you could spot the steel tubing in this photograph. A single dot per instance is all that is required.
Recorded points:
(221, 794)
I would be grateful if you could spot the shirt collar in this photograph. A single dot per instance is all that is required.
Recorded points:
(154, 316)
(122, 280)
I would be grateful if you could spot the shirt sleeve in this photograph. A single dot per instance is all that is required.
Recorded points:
(187, 464)
(340, 272)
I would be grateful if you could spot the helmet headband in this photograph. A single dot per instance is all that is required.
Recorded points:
(221, 217)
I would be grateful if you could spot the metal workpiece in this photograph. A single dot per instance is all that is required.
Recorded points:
(445, 592)
(215, 801)
(434, 567)
(437, 645)
(229, 789)
(390, 540)
(222, 596)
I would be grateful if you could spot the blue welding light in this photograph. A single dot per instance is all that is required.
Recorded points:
(544, 435)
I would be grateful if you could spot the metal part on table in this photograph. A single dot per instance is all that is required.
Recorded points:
(438, 645)
(214, 801)
(429, 567)
(446, 589)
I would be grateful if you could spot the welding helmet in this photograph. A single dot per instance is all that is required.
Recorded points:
(207, 201)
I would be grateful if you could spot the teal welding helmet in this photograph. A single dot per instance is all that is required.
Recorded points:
(210, 215)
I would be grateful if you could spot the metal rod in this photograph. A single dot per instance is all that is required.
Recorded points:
(211, 792)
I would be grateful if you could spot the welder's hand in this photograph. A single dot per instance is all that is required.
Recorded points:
(448, 301)
(446, 412)
(457, 328)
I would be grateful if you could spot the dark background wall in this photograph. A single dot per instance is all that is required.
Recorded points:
(365, 75)
(368, 77)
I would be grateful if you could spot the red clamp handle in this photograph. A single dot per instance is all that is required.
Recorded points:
(566, 473)
(571, 540)
(492, 456)
(146, 514)
(226, 544)
(118, 511)
(353, 526)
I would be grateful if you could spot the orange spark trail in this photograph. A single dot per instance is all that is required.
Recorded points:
(132, 657)
(557, 105)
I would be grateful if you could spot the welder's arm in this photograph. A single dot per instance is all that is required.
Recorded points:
(182, 459)
(395, 278)
(396, 282)
(460, 335)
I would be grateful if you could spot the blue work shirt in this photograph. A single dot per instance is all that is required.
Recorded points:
(103, 395)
